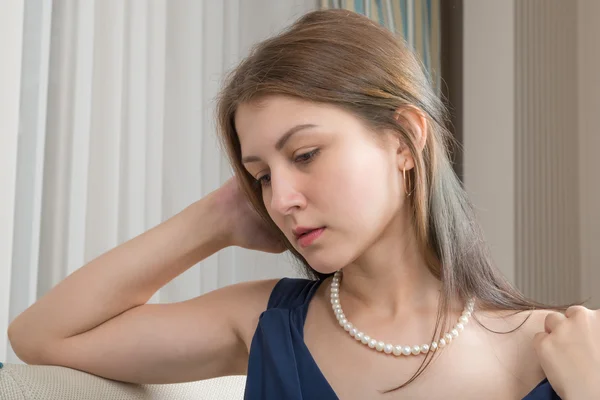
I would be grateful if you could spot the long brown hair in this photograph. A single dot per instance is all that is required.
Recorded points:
(345, 59)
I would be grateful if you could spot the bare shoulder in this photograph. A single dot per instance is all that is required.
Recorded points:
(535, 322)
(524, 324)
(252, 296)
(529, 323)
(529, 364)
(511, 335)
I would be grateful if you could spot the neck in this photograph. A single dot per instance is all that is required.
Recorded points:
(392, 277)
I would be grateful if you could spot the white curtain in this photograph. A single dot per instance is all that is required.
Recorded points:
(116, 133)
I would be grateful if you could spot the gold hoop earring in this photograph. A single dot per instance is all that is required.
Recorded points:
(406, 182)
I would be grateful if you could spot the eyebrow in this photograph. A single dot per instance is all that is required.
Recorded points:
(281, 142)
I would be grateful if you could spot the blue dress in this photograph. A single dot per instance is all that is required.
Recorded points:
(280, 365)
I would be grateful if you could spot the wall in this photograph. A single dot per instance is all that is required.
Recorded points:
(588, 65)
(489, 120)
(546, 134)
(531, 101)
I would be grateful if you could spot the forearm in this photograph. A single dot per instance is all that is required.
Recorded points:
(122, 278)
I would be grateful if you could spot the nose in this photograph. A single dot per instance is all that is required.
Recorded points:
(285, 196)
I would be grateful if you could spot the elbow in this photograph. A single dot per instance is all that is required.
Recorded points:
(22, 345)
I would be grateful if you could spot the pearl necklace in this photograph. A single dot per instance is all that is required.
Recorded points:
(387, 348)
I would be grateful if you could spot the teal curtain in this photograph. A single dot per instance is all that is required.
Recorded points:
(417, 21)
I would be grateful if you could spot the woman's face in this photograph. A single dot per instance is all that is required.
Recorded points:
(320, 168)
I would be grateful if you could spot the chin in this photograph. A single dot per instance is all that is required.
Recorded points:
(324, 270)
(327, 263)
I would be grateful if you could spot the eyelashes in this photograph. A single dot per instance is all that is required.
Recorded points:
(304, 158)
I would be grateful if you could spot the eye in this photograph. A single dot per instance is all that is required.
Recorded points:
(306, 157)
(264, 180)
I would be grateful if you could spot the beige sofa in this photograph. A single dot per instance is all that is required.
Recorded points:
(31, 382)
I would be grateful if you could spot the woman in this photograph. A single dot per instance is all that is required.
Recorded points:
(338, 141)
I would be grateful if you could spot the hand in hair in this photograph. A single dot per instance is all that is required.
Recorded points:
(569, 352)
(246, 228)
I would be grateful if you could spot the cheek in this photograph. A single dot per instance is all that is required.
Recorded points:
(364, 192)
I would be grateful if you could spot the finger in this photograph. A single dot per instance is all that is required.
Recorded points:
(553, 320)
(574, 310)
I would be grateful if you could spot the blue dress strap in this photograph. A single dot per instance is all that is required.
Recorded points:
(291, 292)
(280, 365)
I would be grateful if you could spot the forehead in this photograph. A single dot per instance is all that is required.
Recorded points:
(270, 117)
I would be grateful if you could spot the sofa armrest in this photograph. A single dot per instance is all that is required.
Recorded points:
(34, 382)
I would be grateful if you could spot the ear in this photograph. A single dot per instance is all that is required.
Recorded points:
(415, 123)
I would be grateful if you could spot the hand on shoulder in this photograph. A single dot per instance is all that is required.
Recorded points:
(568, 349)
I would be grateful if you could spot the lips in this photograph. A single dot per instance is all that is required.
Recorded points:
(306, 236)
(300, 231)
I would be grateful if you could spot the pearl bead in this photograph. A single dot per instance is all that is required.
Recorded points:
(388, 349)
